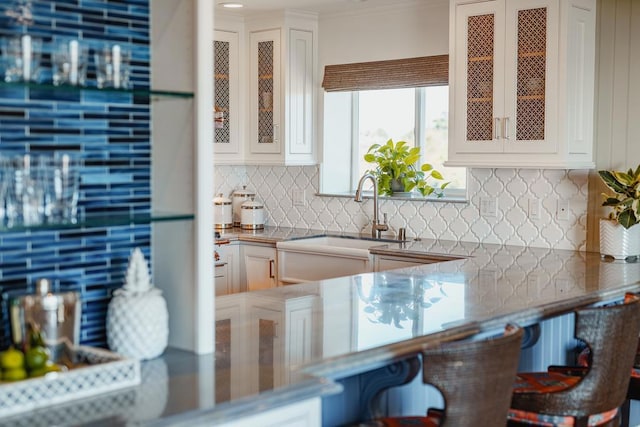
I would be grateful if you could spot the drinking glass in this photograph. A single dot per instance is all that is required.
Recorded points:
(63, 189)
(24, 194)
(69, 62)
(21, 58)
(113, 67)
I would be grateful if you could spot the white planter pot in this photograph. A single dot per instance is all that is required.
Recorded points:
(619, 242)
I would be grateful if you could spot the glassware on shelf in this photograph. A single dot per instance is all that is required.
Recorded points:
(69, 62)
(39, 190)
(62, 189)
(20, 58)
(113, 67)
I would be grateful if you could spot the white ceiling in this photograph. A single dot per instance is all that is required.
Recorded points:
(319, 6)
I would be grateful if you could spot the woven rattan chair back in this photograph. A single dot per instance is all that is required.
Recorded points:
(611, 332)
(475, 378)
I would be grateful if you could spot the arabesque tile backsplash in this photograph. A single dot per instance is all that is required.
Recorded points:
(513, 189)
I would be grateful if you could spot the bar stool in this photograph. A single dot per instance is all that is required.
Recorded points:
(564, 396)
(475, 379)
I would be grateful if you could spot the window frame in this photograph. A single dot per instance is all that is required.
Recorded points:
(420, 103)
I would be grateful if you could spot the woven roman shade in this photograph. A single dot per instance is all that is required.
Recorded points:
(392, 74)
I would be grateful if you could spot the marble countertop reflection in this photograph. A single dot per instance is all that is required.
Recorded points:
(362, 322)
(282, 345)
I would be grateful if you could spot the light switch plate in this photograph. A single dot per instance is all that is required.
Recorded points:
(534, 209)
(488, 207)
(298, 197)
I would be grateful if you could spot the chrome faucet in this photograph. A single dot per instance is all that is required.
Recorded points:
(376, 228)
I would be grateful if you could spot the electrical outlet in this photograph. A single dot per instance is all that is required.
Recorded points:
(562, 212)
(298, 197)
(488, 207)
(534, 209)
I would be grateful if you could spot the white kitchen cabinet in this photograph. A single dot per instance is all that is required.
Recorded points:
(227, 269)
(227, 108)
(522, 83)
(232, 345)
(259, 266)
(259, 352)
(221, 276)
(283, 52)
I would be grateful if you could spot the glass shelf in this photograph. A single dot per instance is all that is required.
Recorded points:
(102, 220)
(151, 93)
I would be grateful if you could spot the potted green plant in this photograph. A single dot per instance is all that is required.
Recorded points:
(620, 233)
(397, 170)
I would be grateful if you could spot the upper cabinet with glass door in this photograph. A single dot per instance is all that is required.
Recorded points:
(226, 114)
(283, 52)
(522, 83)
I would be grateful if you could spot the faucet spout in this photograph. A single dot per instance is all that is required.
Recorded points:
(377, 228)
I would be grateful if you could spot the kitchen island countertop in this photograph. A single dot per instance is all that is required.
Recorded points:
(355, 324)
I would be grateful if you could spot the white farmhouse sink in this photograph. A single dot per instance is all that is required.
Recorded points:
(323, 257)
(330, 245)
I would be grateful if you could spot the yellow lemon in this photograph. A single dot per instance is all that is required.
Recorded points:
(14, 374)
(12, 359)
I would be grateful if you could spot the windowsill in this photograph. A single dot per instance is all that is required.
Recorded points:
(453, 198)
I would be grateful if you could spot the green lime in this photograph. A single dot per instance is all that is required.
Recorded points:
(15, 374)
(36, 357)
(12, 359)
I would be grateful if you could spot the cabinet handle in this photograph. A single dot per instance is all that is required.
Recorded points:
(496, 126)
(505, 128)
(272, 264)
(275, 133)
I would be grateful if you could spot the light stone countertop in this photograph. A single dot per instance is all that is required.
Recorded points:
(365, 321)
(358, 323)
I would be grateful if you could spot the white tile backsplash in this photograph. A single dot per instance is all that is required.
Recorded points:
(512, 188)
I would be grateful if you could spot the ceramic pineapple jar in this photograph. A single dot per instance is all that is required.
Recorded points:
(137, 318)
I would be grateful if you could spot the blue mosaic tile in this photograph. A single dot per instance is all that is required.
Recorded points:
(110, 132)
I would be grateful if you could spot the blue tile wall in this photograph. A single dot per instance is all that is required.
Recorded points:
(109, 131)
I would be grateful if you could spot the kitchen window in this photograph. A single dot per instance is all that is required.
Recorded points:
(401, 110)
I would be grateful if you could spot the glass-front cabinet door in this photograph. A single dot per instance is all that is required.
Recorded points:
(529, 120)
(226, 112)
(265, 92)
(503, 69)
(479, 77)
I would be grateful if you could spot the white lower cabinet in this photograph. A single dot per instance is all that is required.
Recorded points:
(258, 266)
(227, 269)
(258, 338)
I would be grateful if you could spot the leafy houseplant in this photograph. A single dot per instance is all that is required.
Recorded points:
(619, 235)
(397, 170)
(625, 203)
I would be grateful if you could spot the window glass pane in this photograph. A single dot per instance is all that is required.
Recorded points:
(436, 119)
(384, 114)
